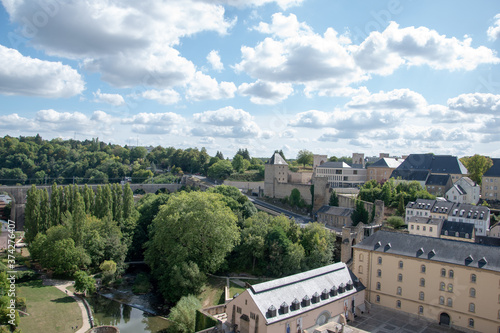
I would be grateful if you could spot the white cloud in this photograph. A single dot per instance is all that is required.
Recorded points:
(383, 52)
(262, 92)
(204, 87)
(165, 96)
(397, 99)
(476, 103)
(284, 26)
(113, 99)
(226, 122)
(20, 75)
(213, 59)
(53, 121)
(154, 123)
(330, 136)
(284, 4)
(15, 122)
(494, 31)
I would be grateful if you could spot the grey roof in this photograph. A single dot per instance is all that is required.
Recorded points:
(434, 163)
(434, 249)
(466, 180)
(424, 220)
(459, 189)
(494, 170)
(418, 175)
(464, 230)
(386, 162)
(421, 204)
(442, 207)
(337, 211)
(470, 211)
(287, 289)
(438, 180)
(334, 165)
(277, 159)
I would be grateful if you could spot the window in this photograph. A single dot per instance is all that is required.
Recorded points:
(400, 277)
(398, 303)
(472, 307)
(252, 315)
(450, 288)
(430, 229)
(499, 315)
(377, 299)
(238, 309)
(422, 269)
(379, 273)
(473, 278)
(400, 264)
(471, 322)
(451, 274)
(418, 227)
(442, 286)
(422, 282)
(361, 257)
(360, 269)
(421, 296)
(399, 291)
(423, 228)
(450, 302)
(443, 272)
(379, 260)
(412, 227)
(420, 309)
(378, 285)
(441, 300)
(472, 292)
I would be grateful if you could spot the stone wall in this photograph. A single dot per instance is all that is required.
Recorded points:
(284, 190)
(299, 177)
(245, 186)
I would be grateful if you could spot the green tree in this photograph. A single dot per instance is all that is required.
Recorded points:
(237, 163)
(305, 157)
(334, 199)
(396, 222)
(220, 170)
(183, 315)
(32, 214)
(476, 166)
(108, 268)
(318, 244)
(84, 283)
(360, 214)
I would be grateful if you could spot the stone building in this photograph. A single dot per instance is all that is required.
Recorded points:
(490, 184)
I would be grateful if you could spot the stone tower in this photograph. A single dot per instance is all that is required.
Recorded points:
(276, 171)
(358, 158)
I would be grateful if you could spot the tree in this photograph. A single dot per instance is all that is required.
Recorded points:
(237, 163)
(334, 199)
(183, 315)
(318, 244)
(84, 283)
(396, 222)
(305, 157)
(360, 214)
(108, 268)
(220, 170)
(32, 214)
(219, 155)
(476, 166)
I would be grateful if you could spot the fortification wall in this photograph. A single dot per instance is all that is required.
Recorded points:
(299, 177)
(254, 186)
(283, 190)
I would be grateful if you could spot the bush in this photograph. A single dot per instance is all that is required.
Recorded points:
(396, 222)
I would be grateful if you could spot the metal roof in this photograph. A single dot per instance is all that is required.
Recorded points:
(277, 159)
(386, 162)
(494, 170)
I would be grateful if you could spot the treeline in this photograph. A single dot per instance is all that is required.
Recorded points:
(75, 228)
(32, 160)
(192, 234)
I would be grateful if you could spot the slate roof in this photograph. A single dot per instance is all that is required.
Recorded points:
(434, 249)
(421, 204)
(386, 162)
(418, 175)
(459, 189)
(462, 228)
(494, 170)
(334, 165)
(438, 180)
(467, 180)
(442, 207)
(425, 220)
(277, 159)
(337, 211)
(482, 212)
(434, 163)
(286, 290)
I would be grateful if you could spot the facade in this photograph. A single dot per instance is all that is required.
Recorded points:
(276, 171)
(424, 226)
(382, 169)
(494, 231)
(337, 217)
(438, 185)
(419, 208)
(458, 231)
(490, 184)
(448, 282)
(342, 175)
(297, 303)
(464, 191)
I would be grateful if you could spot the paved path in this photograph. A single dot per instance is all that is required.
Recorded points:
(62, 286)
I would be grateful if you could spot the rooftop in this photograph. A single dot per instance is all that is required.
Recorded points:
(494, 170)
(426, 220)
(434, 249)
(464, 230)
(386, 162)
(438, 180)
(277, 159)
(334, 165)
(434, 163)
(404, 174)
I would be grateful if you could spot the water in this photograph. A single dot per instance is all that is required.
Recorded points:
(127, 318)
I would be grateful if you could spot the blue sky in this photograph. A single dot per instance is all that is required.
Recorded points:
(330, 76)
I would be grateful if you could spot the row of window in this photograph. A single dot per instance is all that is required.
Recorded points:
(423, 228)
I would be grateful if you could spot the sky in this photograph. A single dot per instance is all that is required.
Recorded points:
(330, 76)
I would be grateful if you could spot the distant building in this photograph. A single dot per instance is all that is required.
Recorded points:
(298, 302)
(424, 226)
(420, 208)
(464, 191)
(458, 231)
(490, 184)
(341, 174)
(438, 185)
(337, 217)
(448, 282)
(382, 169)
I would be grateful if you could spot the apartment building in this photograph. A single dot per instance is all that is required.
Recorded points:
(490, 185)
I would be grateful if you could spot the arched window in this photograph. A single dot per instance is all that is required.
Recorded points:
(379, 273)
(401, 264)
(422, 269)
(400, 277)
(379, 260)
(377, 298)
(443, 272)
(441, 300)
(398, 303)
(421, 309)
(450, 302)
(472, 292)
(422, 282)
(378, 285)
(473, 278)
(471, 322)
(421, 296)
(450, 288)
(399, 291)
(442, 286)
(451, 274)
(360, 269)
(472, 307)
(361, 257)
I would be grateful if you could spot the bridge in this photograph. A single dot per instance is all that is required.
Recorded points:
(19, 194)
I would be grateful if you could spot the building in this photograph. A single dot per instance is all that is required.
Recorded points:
(382, 169)
(337, 217)
(464, 191)
(424, 226)
(341, 174)
(449, 282)
(297, 303)
(458, 231)
(441, 209)
(419, 176)
(494, 230)
(419, 208)
(490, 184)
(438, 185)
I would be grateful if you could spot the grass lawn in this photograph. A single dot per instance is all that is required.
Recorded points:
(235, 289)
(50, 309)
(213, 292)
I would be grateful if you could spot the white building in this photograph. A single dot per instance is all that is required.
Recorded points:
(341, 174)
(464, 191)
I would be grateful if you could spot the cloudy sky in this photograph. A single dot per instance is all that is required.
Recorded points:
(330, 76)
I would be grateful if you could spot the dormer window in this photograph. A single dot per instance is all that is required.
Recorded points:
(333, 291)
(283, 308)
(432, 253)
(420, 251)
(482, 262)
(387, 246)
(341, 288)
(295, 305)
(315, 298)
(377, 245)
(306, 301)
(325, 294)
(349, 285)
(271, 312)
